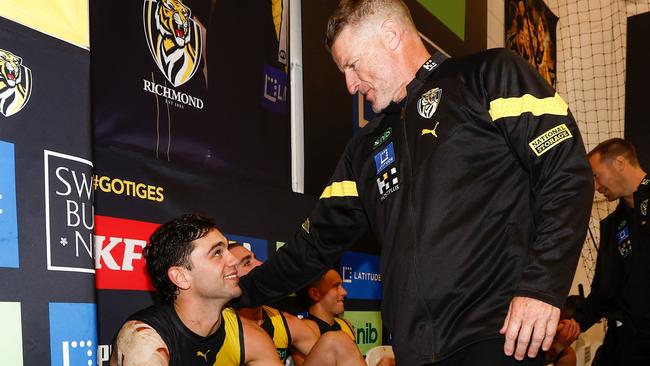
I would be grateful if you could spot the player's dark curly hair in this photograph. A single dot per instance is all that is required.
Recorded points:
(170, 245)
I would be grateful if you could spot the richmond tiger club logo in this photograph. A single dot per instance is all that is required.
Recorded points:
(174, 39)
(15, 83)
(428, 104)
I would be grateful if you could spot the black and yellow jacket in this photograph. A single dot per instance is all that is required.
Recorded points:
(477, 187)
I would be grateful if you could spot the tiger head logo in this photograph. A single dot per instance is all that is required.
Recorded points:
(429, 101)
(15, 83)
(174, 39)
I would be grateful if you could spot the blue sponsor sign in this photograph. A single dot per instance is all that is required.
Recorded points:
(274, 97)
(361, 277)
(258, 246)
(73, 334)
(385, 157)
(8, 212)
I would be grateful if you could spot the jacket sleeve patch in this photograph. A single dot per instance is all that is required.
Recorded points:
(549, 139)
(516, 106)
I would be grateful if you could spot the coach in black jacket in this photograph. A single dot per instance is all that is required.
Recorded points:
(621, 287)
(475, 182)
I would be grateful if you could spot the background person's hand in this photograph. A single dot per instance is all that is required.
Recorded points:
(567, 332)
(530, 323)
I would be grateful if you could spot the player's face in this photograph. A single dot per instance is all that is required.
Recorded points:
(365, 62)
(607, 180)
(332, 293)
(213, 274)
(246, 260)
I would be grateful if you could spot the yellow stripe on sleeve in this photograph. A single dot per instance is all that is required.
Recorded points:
(512, 107)
(346, 188)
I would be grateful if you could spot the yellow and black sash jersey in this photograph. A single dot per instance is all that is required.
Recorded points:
(275, 325)
(223, 348)
(339, 324)
(477, 188)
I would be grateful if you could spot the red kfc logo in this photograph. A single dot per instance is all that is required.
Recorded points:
(119, 262)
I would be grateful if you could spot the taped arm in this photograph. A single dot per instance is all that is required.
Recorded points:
(337, 221)
(544, 136)
(137, 344)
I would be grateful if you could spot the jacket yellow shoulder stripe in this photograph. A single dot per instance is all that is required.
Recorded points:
(346, 188)
(516, 106)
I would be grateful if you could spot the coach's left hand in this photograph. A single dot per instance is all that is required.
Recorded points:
(529, 324)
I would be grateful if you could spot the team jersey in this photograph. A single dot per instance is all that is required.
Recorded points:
(275, 325)
(339, 324)
(223, 348)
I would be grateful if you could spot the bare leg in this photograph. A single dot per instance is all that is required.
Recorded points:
(334, 349)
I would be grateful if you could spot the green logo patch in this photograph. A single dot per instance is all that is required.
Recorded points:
(381, 139)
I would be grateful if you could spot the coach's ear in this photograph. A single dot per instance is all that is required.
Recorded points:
(391, 34)
(179, 277)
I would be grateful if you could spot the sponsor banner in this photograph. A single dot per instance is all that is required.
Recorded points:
(118, 253)
(130, 188)
(104, 354)
(255, 245)
(361, 277)
(73, 334)
(11, 334)
(69, 212)
(8, 212)
(275, 90)
(177, 93)
(367, 328)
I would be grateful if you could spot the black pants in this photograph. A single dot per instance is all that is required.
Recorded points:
(622, 347)
(489, 352)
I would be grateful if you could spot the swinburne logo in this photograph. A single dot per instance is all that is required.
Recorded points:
(69, 212)
(15, 83)
(118, 253)
(129, 188)
(174, 39)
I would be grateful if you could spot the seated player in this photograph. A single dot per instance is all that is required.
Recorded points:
(195, 277)
(325, 304)
(292, 334)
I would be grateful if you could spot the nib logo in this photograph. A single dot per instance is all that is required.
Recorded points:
(368, 334)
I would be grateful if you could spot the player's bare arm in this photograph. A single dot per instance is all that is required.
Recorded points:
(138, 344)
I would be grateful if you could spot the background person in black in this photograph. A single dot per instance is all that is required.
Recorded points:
(475, 182)
(620, 290)
(195, 277)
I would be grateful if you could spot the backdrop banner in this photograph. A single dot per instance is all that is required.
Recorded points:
(203, 83)
(46, 201)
